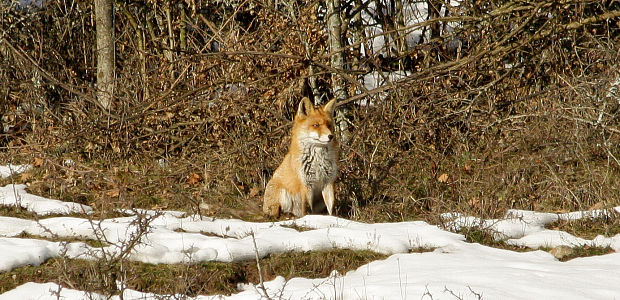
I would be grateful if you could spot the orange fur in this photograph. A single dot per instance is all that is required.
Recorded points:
(304, 182)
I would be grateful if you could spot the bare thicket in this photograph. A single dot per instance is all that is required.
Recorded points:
(479, 108)
(484, 106)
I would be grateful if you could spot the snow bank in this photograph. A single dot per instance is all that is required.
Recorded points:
(48, 291)
(466, 271)
(162, 243)
(16, 195)
(453, 269)
(10, 170)
(527, 228)
(17, 252)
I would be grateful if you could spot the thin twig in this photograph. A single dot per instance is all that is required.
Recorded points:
(261, 283)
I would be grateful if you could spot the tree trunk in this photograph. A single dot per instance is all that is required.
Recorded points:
(312, 82)
(339, 89)
(104, 18)
(171, 38)
(401, 33)
(141, 40)
(434, 9)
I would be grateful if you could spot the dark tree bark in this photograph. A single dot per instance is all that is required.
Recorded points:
(434, 9)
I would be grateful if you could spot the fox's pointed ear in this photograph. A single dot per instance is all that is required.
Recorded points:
(330, 106)
(305, 107)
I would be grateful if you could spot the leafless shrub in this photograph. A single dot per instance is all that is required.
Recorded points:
(507, 109)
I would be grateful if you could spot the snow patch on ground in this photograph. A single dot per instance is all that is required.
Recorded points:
(10, 170)
(453, 267)
(18, 252)
(466, 271)
(234, 240)
(16, 195)
(527, 228)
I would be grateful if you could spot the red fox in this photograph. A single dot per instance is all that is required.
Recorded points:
(304, 182)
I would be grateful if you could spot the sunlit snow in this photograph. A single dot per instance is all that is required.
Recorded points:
(451, 269)
(16, 195)
(9, 170)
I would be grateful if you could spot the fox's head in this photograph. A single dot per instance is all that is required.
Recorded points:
(314, 124)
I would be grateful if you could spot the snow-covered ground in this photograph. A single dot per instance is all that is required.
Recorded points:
(9, 170)
(452, 269)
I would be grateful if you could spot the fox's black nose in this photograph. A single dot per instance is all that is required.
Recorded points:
(330, 137)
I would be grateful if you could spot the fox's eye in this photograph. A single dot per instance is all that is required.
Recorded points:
(316, 125)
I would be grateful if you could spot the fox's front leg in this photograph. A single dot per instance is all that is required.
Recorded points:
(272, 200)
(301, 203)
(304, 207)
(328, 197)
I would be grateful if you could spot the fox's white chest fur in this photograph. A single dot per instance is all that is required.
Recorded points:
(318, 165)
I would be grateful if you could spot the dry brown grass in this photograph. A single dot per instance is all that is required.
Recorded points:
(187, 279)
(464, 134)
(588, 228)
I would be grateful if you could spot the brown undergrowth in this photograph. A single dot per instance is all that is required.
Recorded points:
(187, 279)
(523, 114)
(521, 118)
(607, 225)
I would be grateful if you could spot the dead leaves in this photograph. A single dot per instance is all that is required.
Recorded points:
(38, 162)
(253, 192)
(26, 176)
(194, 179)
(113, 193)
(443, 178)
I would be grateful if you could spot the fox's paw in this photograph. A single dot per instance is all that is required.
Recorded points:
(272, 210)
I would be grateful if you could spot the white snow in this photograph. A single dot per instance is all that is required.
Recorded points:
(377, 79)
(451, 269)
(19, 252)
(10, 170)
(379, 40)
(527, 228)
(16, 195)
(467, 270)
